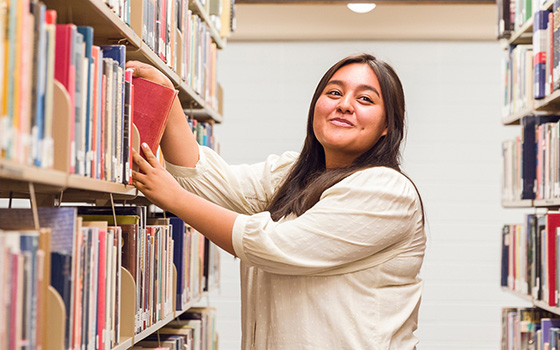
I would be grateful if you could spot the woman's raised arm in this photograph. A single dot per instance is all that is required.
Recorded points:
(178, 144)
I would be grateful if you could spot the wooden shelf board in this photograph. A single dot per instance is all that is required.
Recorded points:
(520, 295)
(523, 203)
(84, 183)
(146, 332)
(524, 35)
(541, 304)
(515, 118)
(124, 343)
(205, 114)
(14, 172)
(550, 103)
(538, 303)
(108, 27)
(555, 202)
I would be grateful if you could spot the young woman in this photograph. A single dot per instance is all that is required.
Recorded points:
(331, 240)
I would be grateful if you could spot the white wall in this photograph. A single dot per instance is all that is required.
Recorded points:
(452, 153)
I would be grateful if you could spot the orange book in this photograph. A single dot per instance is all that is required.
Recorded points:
(152, 105)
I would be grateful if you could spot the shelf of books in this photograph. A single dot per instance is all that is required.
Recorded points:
(530, 264)
(108, 296)
(90, 264)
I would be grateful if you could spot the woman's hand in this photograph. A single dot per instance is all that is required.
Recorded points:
(143, 70)
(160, 188)
(154, 181)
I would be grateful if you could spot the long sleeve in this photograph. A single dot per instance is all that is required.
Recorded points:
(363, 221)
(245, 189)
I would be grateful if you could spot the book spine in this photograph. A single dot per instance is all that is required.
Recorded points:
(540, 34)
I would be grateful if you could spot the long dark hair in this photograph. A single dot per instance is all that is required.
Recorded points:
(308, 178)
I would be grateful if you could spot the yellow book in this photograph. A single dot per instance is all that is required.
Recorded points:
(121, 219)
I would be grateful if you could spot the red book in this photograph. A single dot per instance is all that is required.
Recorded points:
(129, 120)
(152, 105)
(101, 293)
(65, 71)
(552, 223)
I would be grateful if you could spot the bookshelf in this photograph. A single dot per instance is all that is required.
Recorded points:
(53, 184)
(530, 247)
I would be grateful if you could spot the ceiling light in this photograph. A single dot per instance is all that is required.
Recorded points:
(361, 7)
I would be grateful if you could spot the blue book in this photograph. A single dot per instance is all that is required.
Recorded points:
(87, 33)
(540, 33)
(61, 280)
(546, 325)
(40, 87)
(529, 125)
(116, 52)
(179, 235)
(29, 245)
(505, 256)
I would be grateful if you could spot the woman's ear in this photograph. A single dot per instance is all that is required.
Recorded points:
(384, 133)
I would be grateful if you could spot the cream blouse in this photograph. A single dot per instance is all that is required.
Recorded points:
(343, 275)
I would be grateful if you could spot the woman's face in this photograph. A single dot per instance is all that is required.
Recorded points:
(349, 116)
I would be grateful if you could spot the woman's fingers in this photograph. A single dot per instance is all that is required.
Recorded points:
(150, 157)
(143, 165)
(146, 71)
(138, 179)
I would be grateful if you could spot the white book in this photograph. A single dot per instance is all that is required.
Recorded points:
(108, 122)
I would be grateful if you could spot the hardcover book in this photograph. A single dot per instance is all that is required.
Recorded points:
(152, 105)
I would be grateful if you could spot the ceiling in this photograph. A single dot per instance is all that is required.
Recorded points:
(291, 20)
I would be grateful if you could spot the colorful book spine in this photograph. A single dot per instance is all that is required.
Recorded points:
(65, 73)
(540, 35)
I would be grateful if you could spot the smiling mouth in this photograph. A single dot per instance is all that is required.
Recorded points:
(341, 122)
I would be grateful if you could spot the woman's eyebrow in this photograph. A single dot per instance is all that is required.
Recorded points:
(360, 87)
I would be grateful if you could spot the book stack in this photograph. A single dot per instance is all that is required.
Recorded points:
(183, 40)
(86, 258)
(529, 251)
(531, 165)
(518, 79)
(24, 276)
(93, 137)
(203, 133)
(94, 277)
(193, 330)
(529, 328)
(68, 104)
(121, 8)
(531, 70)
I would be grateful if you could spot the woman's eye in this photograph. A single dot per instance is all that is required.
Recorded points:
(334, 93)
(366, 99)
